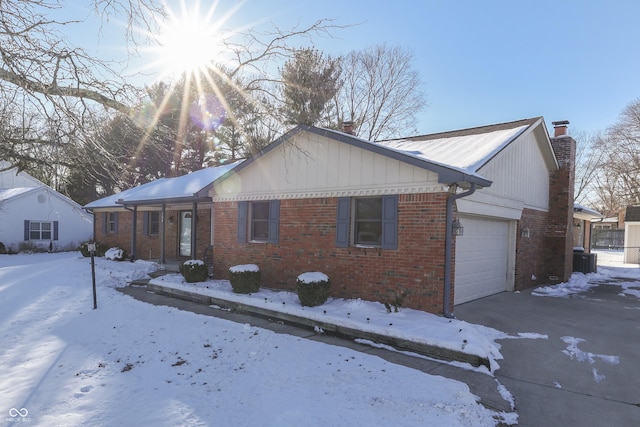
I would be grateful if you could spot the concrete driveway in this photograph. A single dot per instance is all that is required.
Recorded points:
(586, 373)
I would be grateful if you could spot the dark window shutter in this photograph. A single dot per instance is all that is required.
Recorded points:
(26, 230)
(342, 222)
(116, 216)
(55, 230)
(390, 222)
(274, 221)
(145, 223)
(105, 217)
(243, 207)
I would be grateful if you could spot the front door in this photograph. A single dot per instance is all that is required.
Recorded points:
(185, 233)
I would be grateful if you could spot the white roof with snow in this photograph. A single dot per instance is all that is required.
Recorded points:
(165, 189)
(10, 193)
(463, 151)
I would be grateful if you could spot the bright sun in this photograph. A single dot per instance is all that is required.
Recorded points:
(189, 41)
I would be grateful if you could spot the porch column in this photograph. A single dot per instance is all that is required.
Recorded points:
(194, 226)
(134, 232)
(163, 234)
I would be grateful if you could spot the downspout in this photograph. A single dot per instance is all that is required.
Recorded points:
(448, 243)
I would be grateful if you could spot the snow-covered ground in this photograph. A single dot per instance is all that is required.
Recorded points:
(131, 363)
(610, 266)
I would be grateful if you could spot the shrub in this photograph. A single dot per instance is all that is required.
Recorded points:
(30, 248)
(194, 270)
(84, 250)
(116, 254)
(245, 279)
(3, 249)
(313, 288)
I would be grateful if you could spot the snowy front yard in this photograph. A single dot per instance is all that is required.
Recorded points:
(130, 363)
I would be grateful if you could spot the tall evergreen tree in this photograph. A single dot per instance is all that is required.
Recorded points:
(310, 81)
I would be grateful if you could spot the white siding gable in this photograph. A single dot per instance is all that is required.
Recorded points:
(310, 165)
(520, 177)
(43, 204)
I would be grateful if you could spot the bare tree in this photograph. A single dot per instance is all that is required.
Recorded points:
(45, 79)
(617, 179)
(380, 92)
(589, 159)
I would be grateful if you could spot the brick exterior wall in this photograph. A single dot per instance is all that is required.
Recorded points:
(149, 247)
(307, 242)
(559, 235)
(531, 251)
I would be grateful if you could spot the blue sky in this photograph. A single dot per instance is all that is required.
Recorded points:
(492, 61)
(484, 62)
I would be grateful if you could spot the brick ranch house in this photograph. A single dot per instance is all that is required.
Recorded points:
(382, 219)
(164, 220)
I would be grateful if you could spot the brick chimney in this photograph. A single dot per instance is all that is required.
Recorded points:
(559, 236)
(347, 127)
(560, 128)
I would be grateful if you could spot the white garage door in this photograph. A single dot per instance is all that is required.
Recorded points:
(483, 258)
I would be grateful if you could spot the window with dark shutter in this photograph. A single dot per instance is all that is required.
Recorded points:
(259, 221)
(342, 222)
(374, 221)
(274, 221)
(243, 208)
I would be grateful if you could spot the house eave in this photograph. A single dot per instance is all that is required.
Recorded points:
(163, 201)
(446, 174)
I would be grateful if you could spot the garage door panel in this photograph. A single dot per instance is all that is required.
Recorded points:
(482, 258)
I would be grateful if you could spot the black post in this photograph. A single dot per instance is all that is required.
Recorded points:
(93, 280)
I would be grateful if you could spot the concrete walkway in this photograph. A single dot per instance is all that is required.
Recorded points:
(482, 385)
(586, 373)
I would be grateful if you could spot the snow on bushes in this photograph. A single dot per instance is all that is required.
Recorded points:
(313, 288)
(245, 278)
(194, 270)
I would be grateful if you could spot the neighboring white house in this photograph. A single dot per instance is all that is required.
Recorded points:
(34, 215)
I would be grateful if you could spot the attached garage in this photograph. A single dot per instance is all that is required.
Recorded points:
(485, 261)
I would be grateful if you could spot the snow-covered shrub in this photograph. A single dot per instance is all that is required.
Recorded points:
(115, 254)
(244, 278)
(313, 288)
(194, 270)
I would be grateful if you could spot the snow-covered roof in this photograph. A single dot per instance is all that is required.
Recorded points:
(7, 194)
(184, 187)
(468, 149)
(585, 213)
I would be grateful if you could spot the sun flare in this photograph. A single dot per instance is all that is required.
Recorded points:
(190, 40)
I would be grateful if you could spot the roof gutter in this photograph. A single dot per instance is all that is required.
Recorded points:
(448, 244)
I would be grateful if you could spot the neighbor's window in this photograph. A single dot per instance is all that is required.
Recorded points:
(368, 221)
(260, 221)
(40, 230)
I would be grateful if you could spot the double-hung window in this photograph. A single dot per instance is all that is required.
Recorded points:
(110, 223)
(367, 221)
(151, 223)
(40, 230)
(259, 221)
